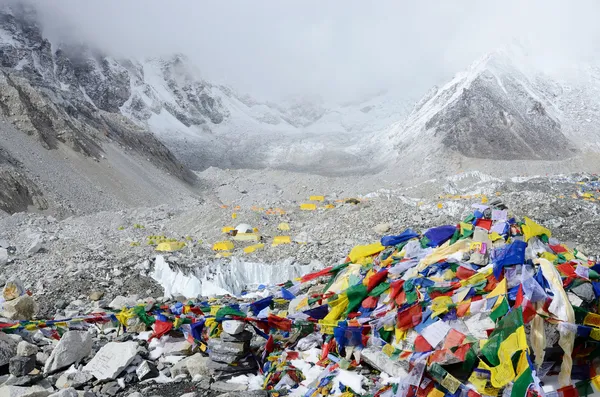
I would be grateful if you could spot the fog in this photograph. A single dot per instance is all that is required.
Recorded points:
(336, 50)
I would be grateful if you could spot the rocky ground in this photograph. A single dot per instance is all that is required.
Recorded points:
(96, 262)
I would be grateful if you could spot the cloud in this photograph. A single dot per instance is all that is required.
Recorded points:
(337, 49)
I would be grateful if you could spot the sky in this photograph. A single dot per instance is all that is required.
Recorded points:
(336, 50)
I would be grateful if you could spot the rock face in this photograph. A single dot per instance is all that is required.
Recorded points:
(493, 111)
(73, 346)
(69, 96)
(111, 360)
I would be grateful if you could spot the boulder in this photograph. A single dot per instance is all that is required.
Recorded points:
(37, 243)
(73, 346)
(21, 391)
(111, 360)
(21, 366)
(120, 302)
(8, 348)
(192, 365)
(233, 327)
(382, 228)
(96, 295)
(13, 289)
(26, 349)
(20, 308)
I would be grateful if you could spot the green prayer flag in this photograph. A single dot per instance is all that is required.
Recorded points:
(500, 311)
(522, 383)
(380, 289)
(228, 311)
(356, 294)
(140, 312)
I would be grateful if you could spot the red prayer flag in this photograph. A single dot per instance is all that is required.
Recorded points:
(160, 328)
(283, 324)
(376, 279)
(409, 318)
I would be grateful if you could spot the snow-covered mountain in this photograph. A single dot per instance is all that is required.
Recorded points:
(499, 110)
(66, 101)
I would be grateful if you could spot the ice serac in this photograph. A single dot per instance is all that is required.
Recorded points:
(225, 277)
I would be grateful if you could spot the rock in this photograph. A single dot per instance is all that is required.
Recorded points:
(73, 379)
(21, 366)
(136, 394)
(227, 358)
(244, 336)
(8, 348)
(73, 346)
(3, 256)
(146, 370)
(177, 347)
(303, 238)
(111, 360)
(227, 347)
(20, 391)
(378, 360)
(65, 393)
(192, 365)
(21, 308)
(96, 295)
(120, 302)
(233, 327)
(228, 387)
(111, 388)
(585, 291)
(41, 358)
(13, 289)
(37, 243)
(27, 380)
(26, 349)
(382, 228)
(247, 364)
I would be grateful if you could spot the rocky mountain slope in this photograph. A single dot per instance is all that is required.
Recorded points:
(67, 100)
(497, 111)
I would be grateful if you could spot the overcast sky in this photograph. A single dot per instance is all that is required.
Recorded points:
(335, 49)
